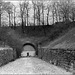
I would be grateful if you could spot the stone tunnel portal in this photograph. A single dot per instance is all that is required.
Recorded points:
(29, 49)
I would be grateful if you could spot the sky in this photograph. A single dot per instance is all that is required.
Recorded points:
(14, 2)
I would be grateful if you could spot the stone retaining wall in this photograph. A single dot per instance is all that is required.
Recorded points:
(57, 57)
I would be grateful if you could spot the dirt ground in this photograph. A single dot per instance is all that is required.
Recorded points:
(31, 65)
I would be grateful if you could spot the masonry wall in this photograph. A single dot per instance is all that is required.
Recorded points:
(58, 58)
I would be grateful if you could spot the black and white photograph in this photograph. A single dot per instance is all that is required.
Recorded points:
(37, 37)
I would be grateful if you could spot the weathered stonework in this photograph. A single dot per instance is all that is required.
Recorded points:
(56, 57)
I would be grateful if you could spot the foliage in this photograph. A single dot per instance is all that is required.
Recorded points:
(43, 12)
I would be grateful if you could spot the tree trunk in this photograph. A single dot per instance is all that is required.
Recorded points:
(9, 19)
(0, 20)
(43, 15)
(37, 18)
(56, 17)
(25, 21)
(48, 17)
(53, 16)
(14, 20)
(59, 17)
(34, 16)
(27, 17)
(43, 18)
(56, 12)
(14, 23)
(22, 25)
(39, 14)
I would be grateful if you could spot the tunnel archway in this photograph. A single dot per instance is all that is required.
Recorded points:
(28, 50)
(30, 45)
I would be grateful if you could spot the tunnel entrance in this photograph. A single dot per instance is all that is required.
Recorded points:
(28, 50)
(27, 54)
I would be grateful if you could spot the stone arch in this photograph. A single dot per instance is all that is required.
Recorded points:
(29, 49)
(30, 45)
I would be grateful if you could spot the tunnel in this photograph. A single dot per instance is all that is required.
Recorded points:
(28, 50)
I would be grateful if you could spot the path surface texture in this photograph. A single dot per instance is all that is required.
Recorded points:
(31, 65)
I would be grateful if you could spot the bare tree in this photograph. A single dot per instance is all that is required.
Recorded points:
(56, 10)
(27, 10)
(72, 14)
(14, 12)
(65, 9)
(1, 10)
(38, 7)
(38, 12)
(22, 11)
(48, 8)
(43, 7)
(34, 7)
(53, 13)
(8, 8)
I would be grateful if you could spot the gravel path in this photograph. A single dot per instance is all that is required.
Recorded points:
(31, 65)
